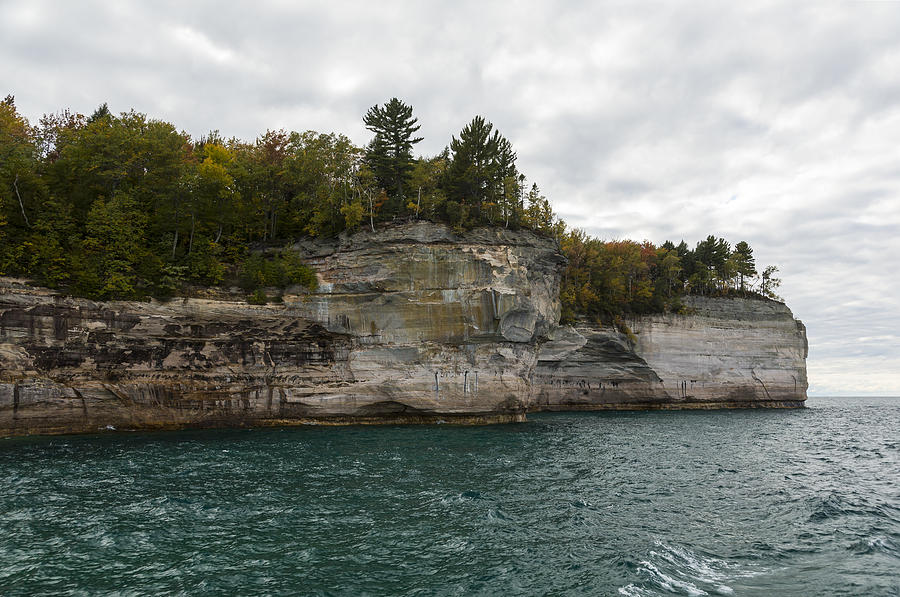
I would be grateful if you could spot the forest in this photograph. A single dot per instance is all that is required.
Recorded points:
(124, 206)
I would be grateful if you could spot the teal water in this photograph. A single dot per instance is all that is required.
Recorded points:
(803, 502)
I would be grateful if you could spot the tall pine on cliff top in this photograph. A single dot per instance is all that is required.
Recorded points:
(482, 175)
(744, 264)
(389, 155)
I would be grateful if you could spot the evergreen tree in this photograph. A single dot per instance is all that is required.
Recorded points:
(711, 256)
(389, 155)
(483, 176)
(743, 262)
(101, 112)
(472, 156)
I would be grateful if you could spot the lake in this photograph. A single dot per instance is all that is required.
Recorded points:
(743, 502)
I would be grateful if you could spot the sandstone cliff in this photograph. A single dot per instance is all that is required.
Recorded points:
(726, 352)
(411, 324)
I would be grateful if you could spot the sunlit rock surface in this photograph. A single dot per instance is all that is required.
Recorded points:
(412, 324)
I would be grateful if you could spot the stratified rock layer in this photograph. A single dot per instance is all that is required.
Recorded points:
(727, 352)
(411, 324)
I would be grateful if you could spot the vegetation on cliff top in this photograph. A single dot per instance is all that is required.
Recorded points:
(124, 206)
(604, 280)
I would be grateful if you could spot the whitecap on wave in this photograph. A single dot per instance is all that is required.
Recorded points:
(680, 571)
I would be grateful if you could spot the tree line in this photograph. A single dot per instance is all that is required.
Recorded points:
(607, 279)
(122, 206)
(125, 206)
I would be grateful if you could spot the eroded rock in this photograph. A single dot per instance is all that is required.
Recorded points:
(412, 324)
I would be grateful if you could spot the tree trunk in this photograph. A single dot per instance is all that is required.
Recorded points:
(175, 241)
(191, 241)
(21, 205)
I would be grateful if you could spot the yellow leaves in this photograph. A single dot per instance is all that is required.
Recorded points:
(217, 154)
(12, 124)
(353, 214)
(586, 295)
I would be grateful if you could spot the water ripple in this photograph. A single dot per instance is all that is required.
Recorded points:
(696, 503)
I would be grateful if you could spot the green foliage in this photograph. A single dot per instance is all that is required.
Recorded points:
(539, 214)
(43, 253)
(204, 265)
(297, 272)
(122, 206)
(427, 180)
(482, 175)
(710, 265)
(278, 271)
(22, 190)
(113, 250)
(604, 280)
(258, 297)
(389, 155)
(742, 262)
(353, 214)
(769, 283)
(256, 272)
(171, 280)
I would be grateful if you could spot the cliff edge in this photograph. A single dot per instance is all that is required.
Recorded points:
(414, 323)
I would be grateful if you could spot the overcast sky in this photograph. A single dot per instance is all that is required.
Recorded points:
(778, 124)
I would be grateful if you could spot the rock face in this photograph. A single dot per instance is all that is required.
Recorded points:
(728, 352)
(412, 324)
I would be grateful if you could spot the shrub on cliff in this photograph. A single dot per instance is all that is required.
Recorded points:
(278, 271)
(258, 297)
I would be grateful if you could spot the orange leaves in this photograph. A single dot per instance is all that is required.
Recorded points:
(607, 278)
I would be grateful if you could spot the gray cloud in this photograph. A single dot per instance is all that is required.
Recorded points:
(774, 124)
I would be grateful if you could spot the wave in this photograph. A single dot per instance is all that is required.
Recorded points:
(835, 505)
(681, 571)
(872, 545)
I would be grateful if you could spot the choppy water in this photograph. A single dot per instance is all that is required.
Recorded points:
(800, 502)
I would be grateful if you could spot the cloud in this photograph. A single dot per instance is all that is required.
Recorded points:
(771, 123)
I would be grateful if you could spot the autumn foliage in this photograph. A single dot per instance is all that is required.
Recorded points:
(606, 279)
(127, 207)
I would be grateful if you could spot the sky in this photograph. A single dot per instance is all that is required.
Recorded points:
(778, 124)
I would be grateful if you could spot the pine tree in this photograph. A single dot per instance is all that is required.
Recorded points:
(101, 112)
(744, 263)
(483, 172)
(389, 155)
(713, 254)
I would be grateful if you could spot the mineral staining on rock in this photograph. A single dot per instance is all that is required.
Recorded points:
(411, 324)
